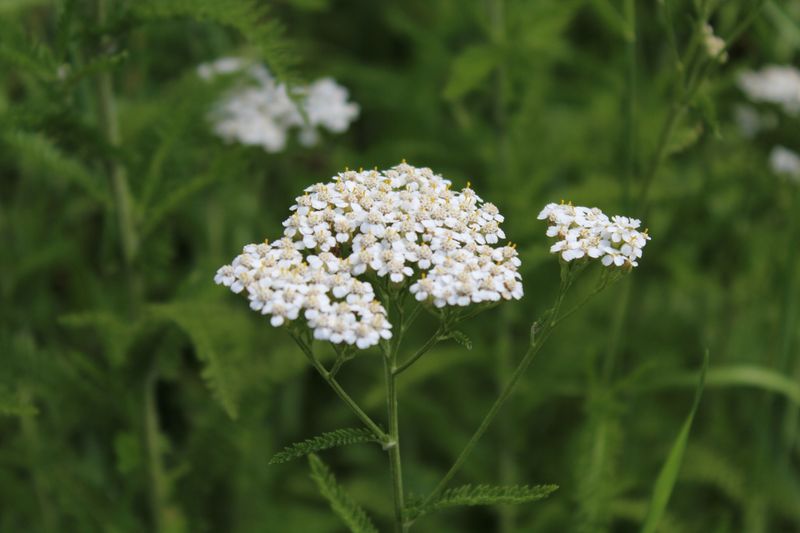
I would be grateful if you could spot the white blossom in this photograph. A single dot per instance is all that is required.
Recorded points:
(773, 84)
(588, 232)
(261, 111)
(405, 224)
(714, 44)
(785, 162)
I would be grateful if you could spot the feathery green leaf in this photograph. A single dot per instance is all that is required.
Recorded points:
(341, 503)
(252, 19)
(483, 495)
(331, 439)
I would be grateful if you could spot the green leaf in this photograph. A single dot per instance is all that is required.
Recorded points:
(15, 404)
(116, 332)
(341, 503)
(469, 70)
(736, 376)
(332, 439)
(251, 18)
(39, 156)
(483, 495)
(669, 472)
(212, 328)
(461, 338)
(174, 199)
(684, 138)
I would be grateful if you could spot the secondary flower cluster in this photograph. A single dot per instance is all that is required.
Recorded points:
(785, 162)
(263, 112)
(773, 84)
(405, 224)
(588, 232)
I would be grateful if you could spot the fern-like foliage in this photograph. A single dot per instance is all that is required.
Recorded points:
(213, 332)
(39, 156)
(482, 495)
(251, 18)
(331, 439)
(353, 516)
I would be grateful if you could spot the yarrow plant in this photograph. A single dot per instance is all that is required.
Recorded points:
(364, 253)
(261, 111)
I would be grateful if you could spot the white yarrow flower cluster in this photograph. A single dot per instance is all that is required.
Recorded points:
(405, 224)
(785, 162)
(588, 232)
(773, 84)
(263, 112)
(284, 284)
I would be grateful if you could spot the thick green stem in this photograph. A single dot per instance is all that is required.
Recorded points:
(393, 447)
(109, 124)
(158, 480)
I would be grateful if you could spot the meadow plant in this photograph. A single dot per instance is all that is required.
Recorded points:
(133, 164)
(367, 252)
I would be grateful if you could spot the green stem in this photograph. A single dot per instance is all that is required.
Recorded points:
(109, 124)
(425, 348)
(536, 345)
(30, 432)
(158, 482)
(341, 393)
(630, 108)
(393, 447)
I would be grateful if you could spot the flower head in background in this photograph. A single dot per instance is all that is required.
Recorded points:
(405, 225)
(588, 232)
(773, 84)
(715, 45)
(785, 162)
(263, 112)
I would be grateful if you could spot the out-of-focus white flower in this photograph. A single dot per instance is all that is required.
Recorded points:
(773, 84)
(588, 232)
(785, 162)
(262, 112)
(714, 44)
(405, 224)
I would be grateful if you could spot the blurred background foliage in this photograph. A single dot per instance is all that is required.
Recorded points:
(135, 395)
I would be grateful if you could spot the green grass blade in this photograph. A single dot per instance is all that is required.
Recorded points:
(669, 472)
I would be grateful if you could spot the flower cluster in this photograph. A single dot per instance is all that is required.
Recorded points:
(773, 84)
(405, 224)
(588, 232)
(714, 45)
(785, 162)
(281, 282)
(262, 112)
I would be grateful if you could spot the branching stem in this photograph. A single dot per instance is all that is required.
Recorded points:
(340, 392)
